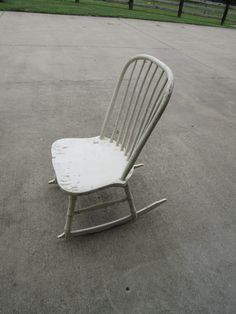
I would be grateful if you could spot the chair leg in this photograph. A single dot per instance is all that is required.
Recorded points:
(69, 217)
(52, 181)
(111, 224)
(130, 200)
(68, 233)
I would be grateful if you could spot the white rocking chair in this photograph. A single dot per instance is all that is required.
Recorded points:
(86, 165)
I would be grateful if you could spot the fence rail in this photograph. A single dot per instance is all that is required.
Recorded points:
(202, 8)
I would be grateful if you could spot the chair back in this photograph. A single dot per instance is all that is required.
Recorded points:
(140, 97)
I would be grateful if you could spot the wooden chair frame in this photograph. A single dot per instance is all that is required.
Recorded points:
(140, 116)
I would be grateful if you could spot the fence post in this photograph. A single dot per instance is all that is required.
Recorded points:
(131, 4)
(225, 11)
(181, 4)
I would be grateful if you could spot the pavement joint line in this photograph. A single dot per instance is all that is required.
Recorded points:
(94, 80)
(79, 46)
(146, 34)
(57, 81)
(168, 45)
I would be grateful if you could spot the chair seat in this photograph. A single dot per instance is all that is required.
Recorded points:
(85, 164)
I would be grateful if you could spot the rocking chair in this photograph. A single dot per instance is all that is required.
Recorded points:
(86, 165)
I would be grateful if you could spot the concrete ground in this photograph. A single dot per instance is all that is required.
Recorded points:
(57, 74)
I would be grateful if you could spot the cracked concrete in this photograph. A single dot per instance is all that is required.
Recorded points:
(57, 76)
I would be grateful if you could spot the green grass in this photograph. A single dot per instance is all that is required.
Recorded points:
(102, 8)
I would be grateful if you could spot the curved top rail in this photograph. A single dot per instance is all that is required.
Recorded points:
(157, 62)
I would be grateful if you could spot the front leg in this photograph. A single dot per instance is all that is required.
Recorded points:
(69, 217)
